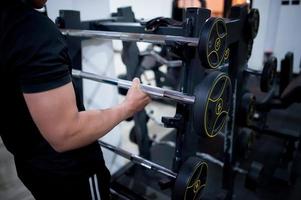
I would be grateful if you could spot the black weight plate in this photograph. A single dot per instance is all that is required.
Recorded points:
(213, 42)
(213, 99)
(132, 136)
(247, 108)
(268, 75)
(122, 91)
(253, 23)
(191, 180)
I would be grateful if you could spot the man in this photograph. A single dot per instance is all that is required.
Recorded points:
(43, 125)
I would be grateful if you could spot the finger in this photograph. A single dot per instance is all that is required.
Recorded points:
(147, 99)
(136, 83)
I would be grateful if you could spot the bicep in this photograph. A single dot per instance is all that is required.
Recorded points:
(53, 111)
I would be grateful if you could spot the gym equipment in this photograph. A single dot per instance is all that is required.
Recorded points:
(253, 22)
(212, 104)
(162, 60)
(189, 182)
(286, 71)
(211, 44)
(253, 174)
(193, 73)
(250, 49)
(247, 108)
(211, 101)
(218, 162)
(132, 60)
(131, 37)
(246, 138)
(263, 123)
(268, 74)
(155, 92)
(251, 30)
(291, 93)
(237, 66)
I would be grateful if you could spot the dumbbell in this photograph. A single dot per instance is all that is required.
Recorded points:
(188, 183)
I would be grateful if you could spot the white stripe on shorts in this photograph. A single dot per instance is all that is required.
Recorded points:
(91, 188)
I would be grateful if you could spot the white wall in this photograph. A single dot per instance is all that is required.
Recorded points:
(259, 46)
(90, 9)
(279, 32)
(146, 9)
(143, 9)
(289, 33)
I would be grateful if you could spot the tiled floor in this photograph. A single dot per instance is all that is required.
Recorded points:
(11, 187)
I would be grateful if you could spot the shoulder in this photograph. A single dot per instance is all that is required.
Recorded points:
(39, 26)
(26, 33)
(36, 34)
(17, 18)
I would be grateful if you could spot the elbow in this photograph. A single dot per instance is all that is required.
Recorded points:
(63, 142)
(64, 136)
(59, 148)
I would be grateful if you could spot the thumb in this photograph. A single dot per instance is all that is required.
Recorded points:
(136, 83)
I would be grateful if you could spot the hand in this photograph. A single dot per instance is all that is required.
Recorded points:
(135, 99)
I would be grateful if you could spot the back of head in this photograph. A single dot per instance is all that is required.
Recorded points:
(38, 4)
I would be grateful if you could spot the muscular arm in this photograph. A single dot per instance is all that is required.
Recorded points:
(65, 128)
(40, 61)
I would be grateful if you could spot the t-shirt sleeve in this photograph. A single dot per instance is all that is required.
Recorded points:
(40, 56)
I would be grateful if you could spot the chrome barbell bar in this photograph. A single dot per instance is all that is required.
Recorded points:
(138, 160)
(154, 92)
(132, 37)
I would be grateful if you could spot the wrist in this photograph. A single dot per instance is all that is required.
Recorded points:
(124, 110)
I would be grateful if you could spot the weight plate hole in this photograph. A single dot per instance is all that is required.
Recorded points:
(214, 58)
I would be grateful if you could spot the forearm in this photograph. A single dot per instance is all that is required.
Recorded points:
(65, 128)
(88, 126)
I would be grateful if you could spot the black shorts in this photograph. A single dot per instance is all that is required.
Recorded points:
(46, 186)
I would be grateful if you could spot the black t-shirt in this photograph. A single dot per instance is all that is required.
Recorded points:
(34, 58)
